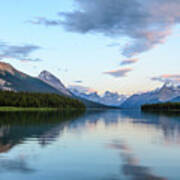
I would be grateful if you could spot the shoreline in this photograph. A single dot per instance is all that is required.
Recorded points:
(34, 109)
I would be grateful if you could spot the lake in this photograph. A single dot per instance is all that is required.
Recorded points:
(97, 145)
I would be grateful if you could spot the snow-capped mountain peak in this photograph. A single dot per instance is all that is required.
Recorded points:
(108, 98)
(54, 82)
(164, 94)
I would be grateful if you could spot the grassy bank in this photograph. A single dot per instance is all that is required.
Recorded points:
(34, 109)
(15, 109)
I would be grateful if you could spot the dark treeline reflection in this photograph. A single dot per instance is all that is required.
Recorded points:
(15, 127)
(46, 126)
(21, 127)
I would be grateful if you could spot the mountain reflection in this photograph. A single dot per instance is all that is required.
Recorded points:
(16, 127)
(18, 165)
(168, 123)
(46, 127)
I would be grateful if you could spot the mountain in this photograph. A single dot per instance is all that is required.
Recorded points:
(177, 99)
(164, 94)
(108, 98)
(14, 80)
(53, 81)
(56, 83)
(114, 99)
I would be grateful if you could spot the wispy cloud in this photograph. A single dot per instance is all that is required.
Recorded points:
(145, 23)
(128, 61)
(18, 52)
(42, 20)
(119, 73)
(168, 78)
(62, 70)
(113, 44)
(81, 89)
(78, 81)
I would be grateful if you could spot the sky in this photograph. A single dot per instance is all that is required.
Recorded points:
(116, 45)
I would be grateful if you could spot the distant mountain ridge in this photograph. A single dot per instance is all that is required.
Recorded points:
(56, 83)
(14, 80)
(165, 94)
(177, 99)
(108, 98)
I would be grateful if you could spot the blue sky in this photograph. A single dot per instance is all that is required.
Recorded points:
(92, 56)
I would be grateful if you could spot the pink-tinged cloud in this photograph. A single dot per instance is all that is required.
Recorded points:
(119, 73)
(146, 23)
(129, 61)
(168, 78)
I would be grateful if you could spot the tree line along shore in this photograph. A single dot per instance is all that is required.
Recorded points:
(15, 101)
(161, 107)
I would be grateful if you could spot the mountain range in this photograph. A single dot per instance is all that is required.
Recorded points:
(108, 98)
(167, 93)
(56, 83)
(14, 80)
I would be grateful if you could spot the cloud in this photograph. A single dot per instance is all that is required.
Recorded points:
(130, 163)
(79, 81)
(168, 78)
(62, 69)
(119, 73)
(113, 44)
(145, 23)
(42, 20)
(21, 52)
(129, 61)
(81, 89)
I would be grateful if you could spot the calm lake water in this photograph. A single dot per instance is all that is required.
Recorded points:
(109, 145)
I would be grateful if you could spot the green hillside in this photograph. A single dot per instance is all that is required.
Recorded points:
(38, 100)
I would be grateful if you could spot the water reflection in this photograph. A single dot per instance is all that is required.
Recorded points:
(82, 146)
(167, 122)
(16, 127)
(19, 165)
(131, 164)
(45, 126)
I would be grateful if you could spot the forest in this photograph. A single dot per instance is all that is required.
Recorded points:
(38, 100)
(161, 107)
